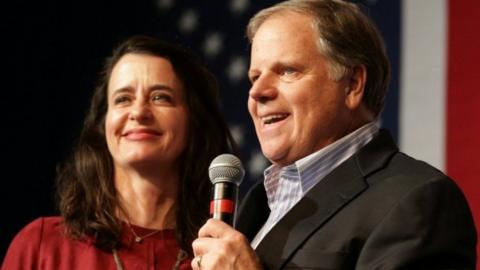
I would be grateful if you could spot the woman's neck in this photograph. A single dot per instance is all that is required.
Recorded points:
(148, 200)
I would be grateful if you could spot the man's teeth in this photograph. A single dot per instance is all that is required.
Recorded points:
(273, 118)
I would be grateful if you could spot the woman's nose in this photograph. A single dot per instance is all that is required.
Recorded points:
(141, 111)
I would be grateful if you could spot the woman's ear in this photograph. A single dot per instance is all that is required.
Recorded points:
(356, 87)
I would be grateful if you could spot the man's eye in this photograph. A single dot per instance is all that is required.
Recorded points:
(289, 71)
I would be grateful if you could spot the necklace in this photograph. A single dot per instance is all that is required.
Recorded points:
(180, 257)
(138, 239)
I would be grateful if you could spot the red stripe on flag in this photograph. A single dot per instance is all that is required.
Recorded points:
(463, 101)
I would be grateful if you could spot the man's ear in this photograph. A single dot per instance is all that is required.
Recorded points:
(356, 87)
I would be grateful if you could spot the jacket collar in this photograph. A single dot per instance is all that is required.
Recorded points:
(320, 204)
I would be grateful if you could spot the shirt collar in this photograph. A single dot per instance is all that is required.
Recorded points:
(312, 168)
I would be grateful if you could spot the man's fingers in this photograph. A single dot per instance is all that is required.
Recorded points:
(214, 228)
(201, 246)
(197, 262)
(220, 246)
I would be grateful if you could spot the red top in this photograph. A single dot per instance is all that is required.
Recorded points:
(42, 244)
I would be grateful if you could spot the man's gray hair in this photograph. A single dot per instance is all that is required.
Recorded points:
(346, 37)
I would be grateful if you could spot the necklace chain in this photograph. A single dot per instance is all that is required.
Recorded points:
(138, 239)
(180, 257)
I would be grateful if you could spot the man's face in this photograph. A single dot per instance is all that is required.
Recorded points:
(295, 106)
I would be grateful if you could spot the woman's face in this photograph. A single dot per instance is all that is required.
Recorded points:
(146, 121)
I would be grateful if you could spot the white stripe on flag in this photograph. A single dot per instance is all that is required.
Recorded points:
(423, 82)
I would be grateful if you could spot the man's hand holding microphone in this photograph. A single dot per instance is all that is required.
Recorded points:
(219, 245)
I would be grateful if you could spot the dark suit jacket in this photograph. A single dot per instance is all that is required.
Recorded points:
(380, 209)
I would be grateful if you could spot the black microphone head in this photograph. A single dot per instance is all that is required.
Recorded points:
(226, 168)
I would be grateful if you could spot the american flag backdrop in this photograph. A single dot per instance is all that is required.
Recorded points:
(216, 31)
(433, 100)
(439, 97)
(56, 48)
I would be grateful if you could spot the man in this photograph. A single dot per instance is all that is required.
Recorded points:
(339, 194)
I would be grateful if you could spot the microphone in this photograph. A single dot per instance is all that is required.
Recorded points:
(226, 173)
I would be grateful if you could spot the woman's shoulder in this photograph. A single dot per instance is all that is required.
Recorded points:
(26, 245)
(39, 227)
(43, 223)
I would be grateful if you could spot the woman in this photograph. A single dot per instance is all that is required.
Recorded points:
(136, 189)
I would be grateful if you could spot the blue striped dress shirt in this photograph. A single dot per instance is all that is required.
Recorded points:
(285, 186)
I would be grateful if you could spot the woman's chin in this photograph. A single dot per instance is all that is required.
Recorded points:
(138, 162)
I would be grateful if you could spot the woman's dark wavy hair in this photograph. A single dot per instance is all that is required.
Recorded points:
(86, 193)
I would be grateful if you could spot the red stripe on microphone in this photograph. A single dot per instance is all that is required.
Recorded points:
(223, 206)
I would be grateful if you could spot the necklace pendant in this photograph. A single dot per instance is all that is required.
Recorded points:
(138, 239)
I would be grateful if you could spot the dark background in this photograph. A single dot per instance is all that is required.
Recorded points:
(53, 52)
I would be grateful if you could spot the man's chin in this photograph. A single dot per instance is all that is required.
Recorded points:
(276, 157)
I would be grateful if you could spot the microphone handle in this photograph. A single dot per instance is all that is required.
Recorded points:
(224, 202)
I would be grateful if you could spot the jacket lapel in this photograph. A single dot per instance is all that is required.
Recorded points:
(253, 212)
(323, 201)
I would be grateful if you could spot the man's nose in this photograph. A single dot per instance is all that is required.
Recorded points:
(263, 89)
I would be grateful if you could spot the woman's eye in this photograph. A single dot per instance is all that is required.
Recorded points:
(161, 98)
(121, 100)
